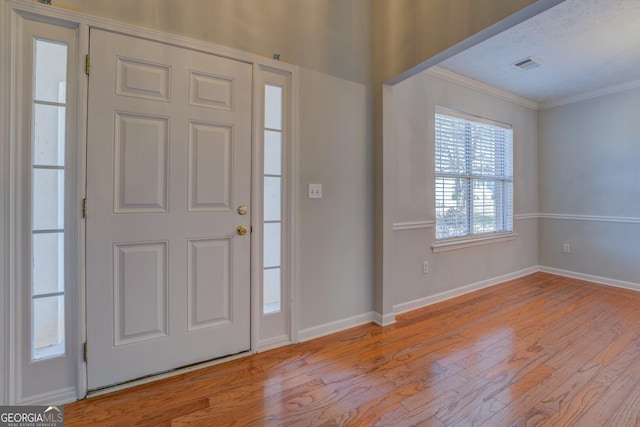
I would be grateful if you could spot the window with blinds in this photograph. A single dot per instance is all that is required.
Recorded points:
(474, 175)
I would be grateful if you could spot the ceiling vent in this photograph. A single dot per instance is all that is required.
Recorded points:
(526, 64)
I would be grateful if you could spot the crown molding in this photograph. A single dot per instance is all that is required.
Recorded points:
(451, 77)
(463, 81)
(635, 84)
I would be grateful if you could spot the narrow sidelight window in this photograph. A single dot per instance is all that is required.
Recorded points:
(48, 132)
(272, 235)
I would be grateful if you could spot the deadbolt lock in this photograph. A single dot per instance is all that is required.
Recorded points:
(242, 209)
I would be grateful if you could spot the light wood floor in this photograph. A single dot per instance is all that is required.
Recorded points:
(541, 350)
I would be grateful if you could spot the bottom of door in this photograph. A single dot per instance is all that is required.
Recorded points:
(166, 374)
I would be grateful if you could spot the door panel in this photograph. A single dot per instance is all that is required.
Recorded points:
(140, 292)
(168, 161)
(141, 173)
(210, 166)
(209, 283)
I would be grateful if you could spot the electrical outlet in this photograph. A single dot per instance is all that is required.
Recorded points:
(425, 267)
(566, 248)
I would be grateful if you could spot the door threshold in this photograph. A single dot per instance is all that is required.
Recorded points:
(166, 374)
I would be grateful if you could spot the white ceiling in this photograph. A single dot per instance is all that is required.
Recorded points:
(584, 46)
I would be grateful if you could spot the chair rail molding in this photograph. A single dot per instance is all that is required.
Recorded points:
(592, 218)
(413, 225)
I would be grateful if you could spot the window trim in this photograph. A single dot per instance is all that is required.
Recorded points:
(469, 240)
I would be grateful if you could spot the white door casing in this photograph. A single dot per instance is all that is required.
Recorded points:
(168, 163)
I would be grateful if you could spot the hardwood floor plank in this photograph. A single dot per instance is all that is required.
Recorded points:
(472, 409)
(582, 342)
(558, 378)
(608, 404)
(531, 418)
(149, 413)
(568, 414)
(540, 350)
(518, 366)
(516, 389)
(624, 362)
(424, 414)
(628, 413)
(567, 391)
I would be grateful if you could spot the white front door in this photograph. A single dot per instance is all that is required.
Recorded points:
(168, 165)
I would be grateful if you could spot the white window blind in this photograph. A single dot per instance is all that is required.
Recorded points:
(474, 175)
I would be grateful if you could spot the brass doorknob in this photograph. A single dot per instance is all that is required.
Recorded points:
(242, 230)
(242, 209)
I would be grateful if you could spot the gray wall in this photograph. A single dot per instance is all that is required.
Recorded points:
(336, 244)
(412, 175)
(333, 37)
(589, 155)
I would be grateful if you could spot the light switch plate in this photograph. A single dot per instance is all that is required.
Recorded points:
(315, 191)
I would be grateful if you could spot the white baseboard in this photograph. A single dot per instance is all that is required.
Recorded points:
(272, 343)
(336, 326)
(443, 296)
(591, 278)
(56, 397)
(384, 319)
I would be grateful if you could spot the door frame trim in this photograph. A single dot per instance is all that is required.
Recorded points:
(5, 203)
(83, 21)
(290, 210)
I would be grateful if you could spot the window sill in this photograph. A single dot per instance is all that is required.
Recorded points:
(467, 242)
